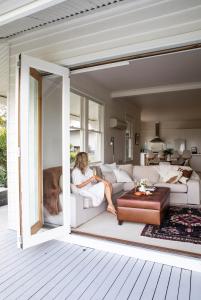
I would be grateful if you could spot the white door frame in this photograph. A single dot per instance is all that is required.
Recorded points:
(25, 239)
(160, 256)
(181, 261)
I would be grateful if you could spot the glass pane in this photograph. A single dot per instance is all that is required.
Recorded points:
(33, 152)
(52, 152)
(94, 146)
(129, 148)
(129, 140)
(94, 119)
(75, 109)
(75, 144)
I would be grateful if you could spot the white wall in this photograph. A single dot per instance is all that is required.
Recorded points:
(179, 114)
(169, 132)
(135, 28)
(112, 108)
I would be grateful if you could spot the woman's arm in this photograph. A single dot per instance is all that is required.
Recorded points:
(81, 185)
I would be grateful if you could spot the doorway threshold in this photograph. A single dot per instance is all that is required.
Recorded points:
(139, 245)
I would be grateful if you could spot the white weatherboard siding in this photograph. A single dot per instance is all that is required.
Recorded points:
(133, 28)
(4, 69)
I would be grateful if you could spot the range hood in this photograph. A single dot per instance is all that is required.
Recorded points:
(157, 138)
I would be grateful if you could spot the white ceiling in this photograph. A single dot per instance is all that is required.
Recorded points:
(177, 68)
(180, 105)
(63, 11)
(162, 71)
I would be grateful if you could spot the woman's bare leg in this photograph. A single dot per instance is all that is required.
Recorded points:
(108, 194)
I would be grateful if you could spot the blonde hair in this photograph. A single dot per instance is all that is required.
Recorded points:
(81, 161)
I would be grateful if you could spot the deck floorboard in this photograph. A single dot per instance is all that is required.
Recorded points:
(58, 270)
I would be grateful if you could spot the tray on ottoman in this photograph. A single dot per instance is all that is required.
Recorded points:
(143, 209)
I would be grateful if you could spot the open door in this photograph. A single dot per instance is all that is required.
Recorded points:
(43, 112)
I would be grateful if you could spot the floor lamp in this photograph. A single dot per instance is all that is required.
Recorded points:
(112, 144)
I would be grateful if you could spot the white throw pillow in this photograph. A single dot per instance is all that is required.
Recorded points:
(172, 176)
(122, 176)
(109, 176)
(108, 167)
(128, 168)
(107, 171)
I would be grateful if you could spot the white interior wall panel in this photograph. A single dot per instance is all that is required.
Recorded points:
(138, 26)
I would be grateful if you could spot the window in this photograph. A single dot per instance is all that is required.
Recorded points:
(86, 127)
(94, 130)
(129, 139)
(76, 133)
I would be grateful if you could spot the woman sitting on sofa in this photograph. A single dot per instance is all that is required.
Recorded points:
(89, 185)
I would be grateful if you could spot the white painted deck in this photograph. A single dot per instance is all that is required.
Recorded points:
(57, 270)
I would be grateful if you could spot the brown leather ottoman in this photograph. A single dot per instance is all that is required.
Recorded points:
(143, 209)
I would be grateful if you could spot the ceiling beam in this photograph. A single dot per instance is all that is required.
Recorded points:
(26, 10)
(156, 89)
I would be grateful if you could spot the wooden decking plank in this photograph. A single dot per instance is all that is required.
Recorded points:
(5, 243)
(19, 278)
(151, 285)
(173, 287)
(119, 281)
(94, 267)
(6, 249)
(66, 275)
(162, 285)
(19, 256)
(93, 281)
(35, 283)
(184, 287)
(38, 289)
(31, 261)
(56, 270)
(7, 239)
(141, 282)
(4, 234)
(195, 286)
(130, 281)
(108, 282)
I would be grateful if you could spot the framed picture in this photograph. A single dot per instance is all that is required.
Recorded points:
(137, 139)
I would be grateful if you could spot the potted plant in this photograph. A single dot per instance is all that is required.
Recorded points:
(168, 153)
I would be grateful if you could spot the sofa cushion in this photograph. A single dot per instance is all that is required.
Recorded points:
(174, 187)
(122, 176)
(108, 167)
(186, 175)
(128, 168)
(110, 176)
(117, 187)
(107, 172)
(148, 172)
(171, 176)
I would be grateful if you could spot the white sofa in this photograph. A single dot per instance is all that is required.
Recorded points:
(82, 210)
(190, 193)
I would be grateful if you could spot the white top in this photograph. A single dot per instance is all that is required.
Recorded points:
(93, 190)
(78, 177)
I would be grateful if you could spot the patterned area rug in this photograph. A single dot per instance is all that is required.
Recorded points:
(180, 224)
